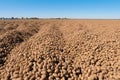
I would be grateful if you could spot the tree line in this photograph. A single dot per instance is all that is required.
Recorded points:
(23, 18)
(15, 18)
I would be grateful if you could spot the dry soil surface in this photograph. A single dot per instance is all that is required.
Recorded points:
(60, 50)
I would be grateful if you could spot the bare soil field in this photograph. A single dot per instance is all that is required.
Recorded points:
(60, 50)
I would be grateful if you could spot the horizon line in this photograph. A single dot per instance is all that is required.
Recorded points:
(58, 18)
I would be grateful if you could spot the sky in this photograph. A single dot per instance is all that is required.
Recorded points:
(90, 9)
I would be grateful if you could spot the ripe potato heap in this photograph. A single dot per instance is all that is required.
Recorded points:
(60, 50)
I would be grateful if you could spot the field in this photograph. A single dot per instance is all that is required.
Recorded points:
(60, 50)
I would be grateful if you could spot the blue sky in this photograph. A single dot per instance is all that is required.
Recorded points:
(61, 8)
